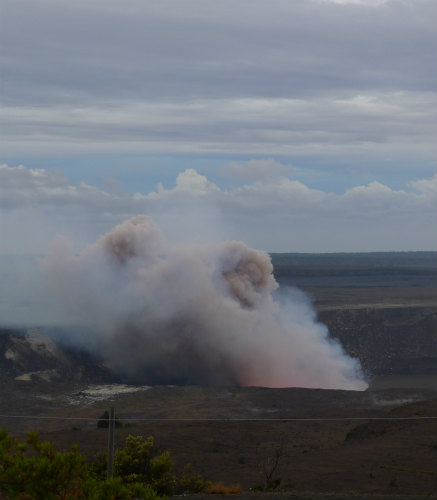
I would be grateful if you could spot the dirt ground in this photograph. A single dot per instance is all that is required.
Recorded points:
(343, 450)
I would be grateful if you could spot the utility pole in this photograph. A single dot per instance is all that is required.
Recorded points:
(111, 428)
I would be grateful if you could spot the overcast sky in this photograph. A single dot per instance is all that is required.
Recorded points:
(304, 125)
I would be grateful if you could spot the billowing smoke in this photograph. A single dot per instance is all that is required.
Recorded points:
(202, 314)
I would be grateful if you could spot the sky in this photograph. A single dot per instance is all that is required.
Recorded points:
(294, 126)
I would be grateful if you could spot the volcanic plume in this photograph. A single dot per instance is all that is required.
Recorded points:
(199, 314)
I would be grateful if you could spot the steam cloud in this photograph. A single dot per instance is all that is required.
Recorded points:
(203, 314)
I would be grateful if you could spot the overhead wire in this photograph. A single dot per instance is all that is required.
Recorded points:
(207, 419)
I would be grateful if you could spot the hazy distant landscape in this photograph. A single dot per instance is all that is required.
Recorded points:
(356, 270)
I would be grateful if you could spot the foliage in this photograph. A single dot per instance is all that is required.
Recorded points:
(133, 462)
(191, 483)
(115, 488)
(140, 462)
(34, 469)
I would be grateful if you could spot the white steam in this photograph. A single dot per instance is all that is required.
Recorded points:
(200, 314)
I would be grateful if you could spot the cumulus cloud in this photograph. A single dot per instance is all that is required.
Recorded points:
(275, 214)
(190, 183)
(38, 187)
(426, 187)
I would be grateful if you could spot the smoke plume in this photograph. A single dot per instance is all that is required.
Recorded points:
(199, 314)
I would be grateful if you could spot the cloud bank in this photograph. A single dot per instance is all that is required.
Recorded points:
(274, 214)
(197, 314)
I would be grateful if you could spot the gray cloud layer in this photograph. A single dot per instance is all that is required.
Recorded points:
(221, 49)
(253, 77)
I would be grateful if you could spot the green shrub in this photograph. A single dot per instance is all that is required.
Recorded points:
(140, 462)
(188, 482)
(111, 489)
(34, 469)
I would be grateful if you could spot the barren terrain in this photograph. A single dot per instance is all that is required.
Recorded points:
(376, 444)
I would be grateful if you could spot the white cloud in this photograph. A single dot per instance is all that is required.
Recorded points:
(20, 187)
(275, 214)
(192, 183)
(427, 187)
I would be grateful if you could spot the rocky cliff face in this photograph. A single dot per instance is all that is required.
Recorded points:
(388, 341)
(29, 355)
